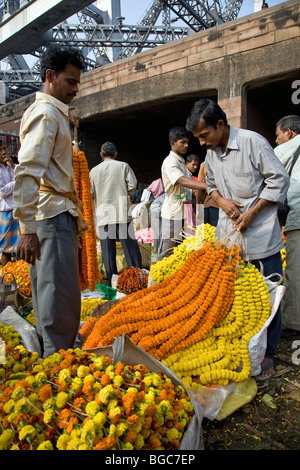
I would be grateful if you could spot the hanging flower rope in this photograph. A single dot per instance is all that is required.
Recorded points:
(176, 312)
(88, 262)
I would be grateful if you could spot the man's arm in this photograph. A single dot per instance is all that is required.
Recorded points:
(191, 183)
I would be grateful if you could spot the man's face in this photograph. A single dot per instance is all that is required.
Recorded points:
(180, 146)
(208, 136)
(282, 137)
(192, 166)
(64, 85)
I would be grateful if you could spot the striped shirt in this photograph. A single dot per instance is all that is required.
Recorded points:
(248, 171)
(7, 184)
(285, 152)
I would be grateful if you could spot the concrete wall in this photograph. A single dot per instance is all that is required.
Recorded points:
(249, 65)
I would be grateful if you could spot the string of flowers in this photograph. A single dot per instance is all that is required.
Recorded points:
(78, 401)
(179, 310)
(88, 261)
(168, 265)
(131, 280)
(223, 355)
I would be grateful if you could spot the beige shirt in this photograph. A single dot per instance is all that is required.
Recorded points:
(45, 157)
(173, 167)
(112, 182)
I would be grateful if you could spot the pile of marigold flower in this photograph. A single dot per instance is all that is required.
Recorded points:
(88, 262)
(178, 311)
(131, 280)
(168, 265)
(76, 400)
(20, 270)
(87, 307)
(9, 335)
(223, 356)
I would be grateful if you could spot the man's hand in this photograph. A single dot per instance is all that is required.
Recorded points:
(229, 206)
(243, 222)
(7, 160)
(29, 248)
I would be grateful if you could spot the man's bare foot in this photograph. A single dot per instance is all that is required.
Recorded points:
(267, 369)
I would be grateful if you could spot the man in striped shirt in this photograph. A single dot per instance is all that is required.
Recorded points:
(247, 181)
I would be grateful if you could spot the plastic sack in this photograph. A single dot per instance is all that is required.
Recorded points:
(9, 317)
(258, 343)
(125, 351)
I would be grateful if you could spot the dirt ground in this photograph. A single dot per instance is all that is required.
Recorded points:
(271, 421)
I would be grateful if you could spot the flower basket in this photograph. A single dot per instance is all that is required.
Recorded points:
(8, 292)
(126, 351)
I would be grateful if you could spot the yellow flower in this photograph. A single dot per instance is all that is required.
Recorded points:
(45, 445)
(62, 442)
(61, 400)
(48, 416)
(64, 375)
(99, 420)
(173, 434)
(82, 371)
(27, 432)
(6, 439)
(92, 408)
(9, 406)
(118, 380)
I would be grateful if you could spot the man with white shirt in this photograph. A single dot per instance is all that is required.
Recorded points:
(47, 218)
(112, 182)
(177, 181)
(288, 146)
(9, 227)
(247, 181)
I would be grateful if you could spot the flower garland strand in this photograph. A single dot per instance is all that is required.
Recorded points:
(88, 262)
(223, 355)
(167, 315)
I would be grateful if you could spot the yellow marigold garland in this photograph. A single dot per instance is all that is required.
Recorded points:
(223, 355)
(178, 311)
(168, 265)
(88, 262)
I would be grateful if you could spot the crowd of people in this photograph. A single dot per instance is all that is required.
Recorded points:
(240, 185)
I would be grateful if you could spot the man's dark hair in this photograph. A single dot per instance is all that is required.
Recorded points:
(108, 149)
(208, 110)
(177, 133)
(289, 122)
(56, 58)
(192, 157)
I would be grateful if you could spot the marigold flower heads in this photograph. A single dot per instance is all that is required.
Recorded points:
(37, 416)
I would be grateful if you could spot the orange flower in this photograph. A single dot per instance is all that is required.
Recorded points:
(106, 443)
(45, 392)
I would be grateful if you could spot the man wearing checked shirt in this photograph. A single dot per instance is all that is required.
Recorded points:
(247, 181)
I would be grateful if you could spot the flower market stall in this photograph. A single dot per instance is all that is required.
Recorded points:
(150, 366)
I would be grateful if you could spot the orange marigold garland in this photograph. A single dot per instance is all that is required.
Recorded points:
(131, 280)
(88, 262)
(178, 311)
